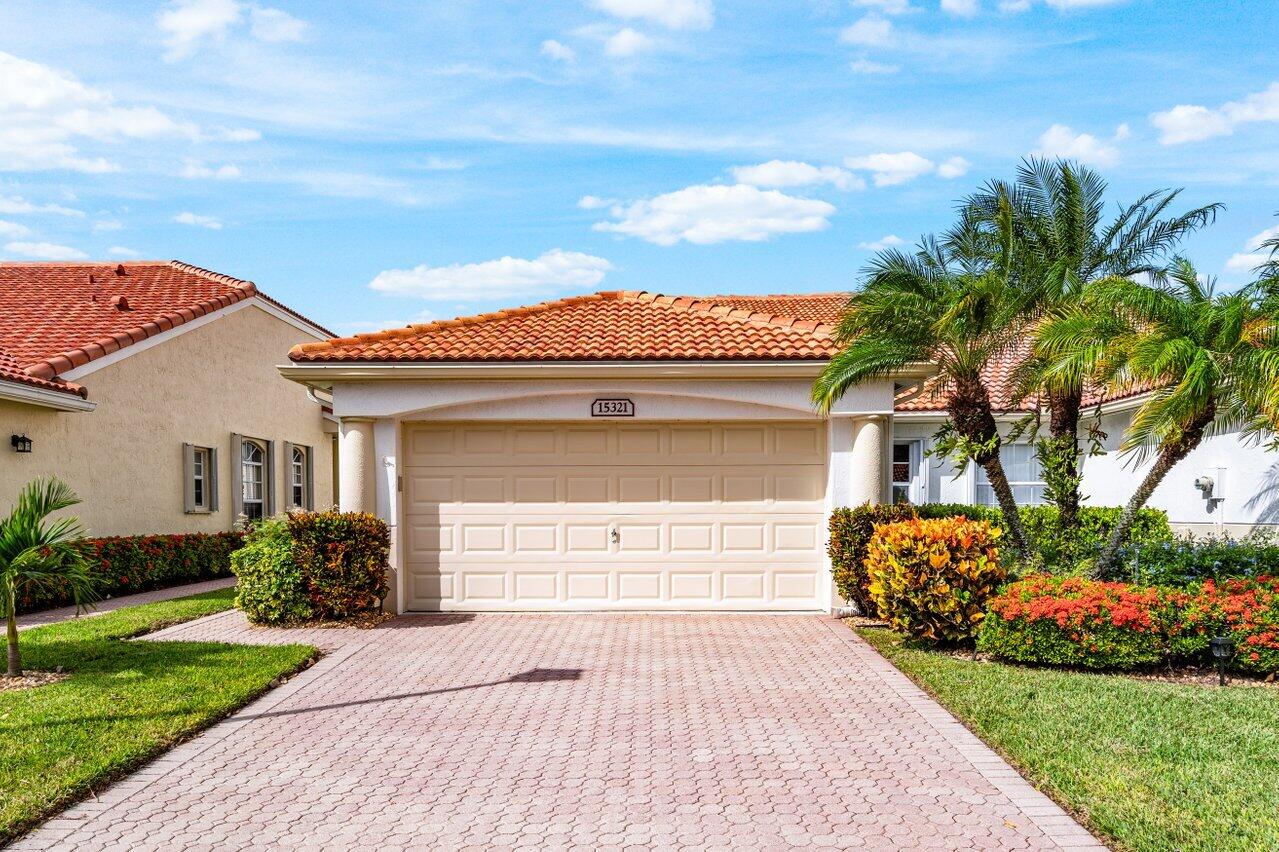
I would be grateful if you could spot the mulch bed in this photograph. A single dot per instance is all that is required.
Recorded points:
(30, 680)
(360, 621)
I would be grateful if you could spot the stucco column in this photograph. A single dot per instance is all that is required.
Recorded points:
(356, 483)
(867, 462)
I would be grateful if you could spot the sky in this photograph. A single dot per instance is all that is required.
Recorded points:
(379, 163)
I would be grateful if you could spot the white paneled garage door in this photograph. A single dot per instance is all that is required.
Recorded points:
(545, 516)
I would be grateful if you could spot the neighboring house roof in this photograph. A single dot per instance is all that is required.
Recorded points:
(610, 326)
(57, 316)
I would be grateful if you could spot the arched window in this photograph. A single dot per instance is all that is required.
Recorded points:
(297, 478)
(253, 479)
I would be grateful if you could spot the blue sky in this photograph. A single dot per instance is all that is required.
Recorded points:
(376, 163)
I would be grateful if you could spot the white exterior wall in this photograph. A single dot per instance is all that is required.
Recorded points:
(1246, 472)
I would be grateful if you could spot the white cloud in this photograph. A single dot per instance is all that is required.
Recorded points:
(886, 241)
(13, 229)
(239, 134)
(16, 204)
(594, 202)
(356, 185)
(1061, 141)
(783, 173)
(888, 7)
(557, 50)
(961, 8)
(627, 42)
(1194, 123)
(188, 24)
(198, 221)
(504, 278)
(443, 164)
(276, 25)
(103, 226)
(45, 251)
(870, 31)
(891, 169)
(1252, 256)
(672, 14)
(196, 170)
(123, 251)
(1059, 5)
(867, 66)
(45, 113)
(714, 214)
(953, 168)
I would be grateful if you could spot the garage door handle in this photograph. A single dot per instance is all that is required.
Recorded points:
(614, 535)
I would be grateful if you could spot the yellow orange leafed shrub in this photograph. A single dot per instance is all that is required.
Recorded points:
(932, 578)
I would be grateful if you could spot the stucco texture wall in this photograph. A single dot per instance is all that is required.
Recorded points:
(125, 458)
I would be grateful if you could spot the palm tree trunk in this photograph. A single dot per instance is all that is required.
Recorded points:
(1063, 427)
(1171, 453)
(970, 412)
(15, 654)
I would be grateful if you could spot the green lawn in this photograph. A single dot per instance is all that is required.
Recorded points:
(124, 703)
(1152, 766)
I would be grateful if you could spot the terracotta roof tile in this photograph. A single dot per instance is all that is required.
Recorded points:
(58, 316)
(609, 326)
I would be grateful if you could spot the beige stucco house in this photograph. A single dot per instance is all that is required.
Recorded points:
(153, 389)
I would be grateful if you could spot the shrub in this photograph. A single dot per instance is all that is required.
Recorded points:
(313, 565)
(343, 557)
(1249, 609)
(123, 565)
(1190, 560)
(932, 578)
(1078, 622)
(850, 535)
(270, 588)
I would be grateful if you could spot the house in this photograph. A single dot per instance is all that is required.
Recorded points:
(152, 388)
(625, 450)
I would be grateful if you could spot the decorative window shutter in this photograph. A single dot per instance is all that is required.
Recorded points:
(211, 479)
(288, 473)
(188, 478)
(310, 478)
(237, 476)
(269, 478)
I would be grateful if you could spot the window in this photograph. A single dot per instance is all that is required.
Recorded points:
(906, 456)
(200, 476)
(253, 479)
(298, 479)
(1025, 476)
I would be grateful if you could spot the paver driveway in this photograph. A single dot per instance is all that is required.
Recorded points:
(576, 731)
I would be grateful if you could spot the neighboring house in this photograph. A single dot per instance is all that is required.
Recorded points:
(632, 451)
(152, 388)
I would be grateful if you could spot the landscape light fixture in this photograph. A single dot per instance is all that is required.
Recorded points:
(1223, 648)
(20, 443)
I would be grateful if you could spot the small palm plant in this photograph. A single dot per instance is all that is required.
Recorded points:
(951, 303)
(38, 551)
(1209, 360)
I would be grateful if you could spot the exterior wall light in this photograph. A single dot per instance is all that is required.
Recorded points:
(1223, 649)
(20, 443)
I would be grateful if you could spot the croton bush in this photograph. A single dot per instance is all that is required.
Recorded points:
(313, 565)
(1110, 625)
(122, 565)
(851, 530)
(932, 578)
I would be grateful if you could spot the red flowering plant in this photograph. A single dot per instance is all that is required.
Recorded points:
(1249, 609)
(1079, 622)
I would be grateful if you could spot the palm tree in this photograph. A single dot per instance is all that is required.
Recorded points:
(950, 302)
(1063, 245)
(36, 551)
(1210, 362)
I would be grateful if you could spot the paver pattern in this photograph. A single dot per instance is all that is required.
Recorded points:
(586, 731)
(66, 613)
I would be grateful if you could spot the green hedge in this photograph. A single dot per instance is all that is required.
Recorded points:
(308, 565)
(124, 565)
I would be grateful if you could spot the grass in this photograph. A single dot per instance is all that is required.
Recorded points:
(1149, 765)
(124, 703)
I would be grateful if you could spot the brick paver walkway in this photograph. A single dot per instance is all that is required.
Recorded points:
(52, 616)
(590, 731)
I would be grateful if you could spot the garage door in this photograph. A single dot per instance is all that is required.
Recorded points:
(516, 516)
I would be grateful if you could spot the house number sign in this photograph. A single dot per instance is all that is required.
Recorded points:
(613, 408)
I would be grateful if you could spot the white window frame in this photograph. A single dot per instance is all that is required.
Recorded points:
(247, 466)
(306, 480)
(199, 464)
(979, 474)
(915, 488)
(267, 499)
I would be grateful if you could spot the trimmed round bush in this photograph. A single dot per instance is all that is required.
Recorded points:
(932, 578)
(270, 587)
